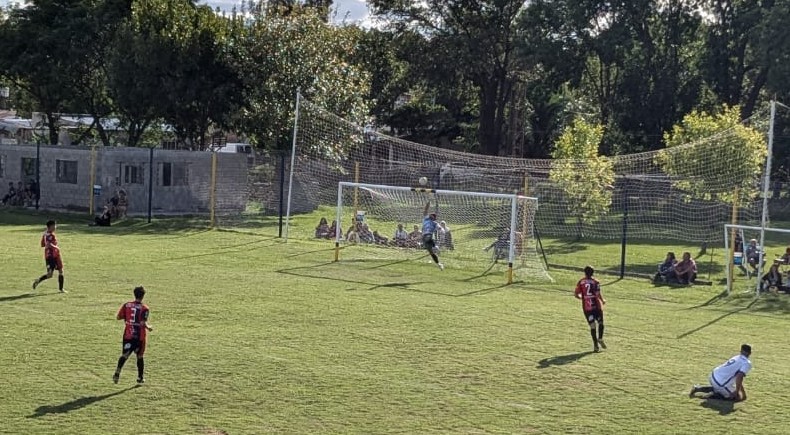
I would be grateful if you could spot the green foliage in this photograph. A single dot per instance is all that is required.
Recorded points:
(584, 176)
(731, 154)
(281, 54)
(470, 41)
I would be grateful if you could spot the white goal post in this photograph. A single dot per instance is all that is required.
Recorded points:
(475, 229)
(731, 233)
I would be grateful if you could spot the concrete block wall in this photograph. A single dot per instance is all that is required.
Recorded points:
(190, 197)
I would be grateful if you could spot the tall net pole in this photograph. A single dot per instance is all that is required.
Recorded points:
(766, 187)
(293, 164)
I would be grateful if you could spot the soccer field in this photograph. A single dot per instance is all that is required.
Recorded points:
(254, 336)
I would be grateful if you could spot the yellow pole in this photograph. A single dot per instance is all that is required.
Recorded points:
(213, 191)
(356, 189)
(525, 219)
(734, 221)
(91, 203)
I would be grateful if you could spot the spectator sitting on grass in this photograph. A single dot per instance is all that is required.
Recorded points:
(322, 230)
(752, 254)
(445, 236)
(379, 239)
(353, 234)
(401, 236)
(785, 259)
(104, 219)
(686, 269)
(365, 235)
(10, 195)
(333, 231)
(415, 237)
(666, 270)
(773, 278)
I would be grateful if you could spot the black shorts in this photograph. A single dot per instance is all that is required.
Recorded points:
(428, 242)
(54, 263)
(134, 345)
(594, 315)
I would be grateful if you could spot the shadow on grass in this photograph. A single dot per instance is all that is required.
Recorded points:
(74, 405)
(311, 272)
(716, 320)
(23, 296)
(711, 301)
(561, 360)
(483, 291)
(569, 247)
(723, 407)
(227, 249)
(482, 275)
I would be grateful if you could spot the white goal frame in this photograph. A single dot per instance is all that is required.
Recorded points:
(730, 251)
(515, 198)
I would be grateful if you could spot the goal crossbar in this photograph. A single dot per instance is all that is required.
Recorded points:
(435, 191)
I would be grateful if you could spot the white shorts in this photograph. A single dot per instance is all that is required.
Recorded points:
(721, 391)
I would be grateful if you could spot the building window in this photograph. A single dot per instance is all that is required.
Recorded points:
(66, 171)
(173, 174)
(132, 174)
(28, 168)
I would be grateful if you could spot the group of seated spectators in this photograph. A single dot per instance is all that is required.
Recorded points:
(21, 195)
(361, 233)
(677, 272)
(115, 208)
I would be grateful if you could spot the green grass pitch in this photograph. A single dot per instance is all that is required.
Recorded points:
(255, 336)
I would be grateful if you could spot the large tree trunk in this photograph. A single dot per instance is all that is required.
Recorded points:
(751, 98)
(493, 99)
(52, 124)
(487, 132)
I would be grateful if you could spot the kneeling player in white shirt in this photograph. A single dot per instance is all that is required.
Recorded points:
(726, 380)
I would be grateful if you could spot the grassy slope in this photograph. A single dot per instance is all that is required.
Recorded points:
(256, 336)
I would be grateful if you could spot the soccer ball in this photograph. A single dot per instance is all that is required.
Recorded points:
(423, 181)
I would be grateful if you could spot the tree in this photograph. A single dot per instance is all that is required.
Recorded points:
(35, 56)
(280, 54)
(474, 39)
(710, 156)
(92, 27)
(203, 89)
(584, 176)
(636, 60)
(173, 62)
(746, 50)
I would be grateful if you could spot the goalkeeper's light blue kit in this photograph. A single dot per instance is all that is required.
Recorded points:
(428, 225)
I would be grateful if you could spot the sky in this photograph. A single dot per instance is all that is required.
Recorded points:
(350, 11)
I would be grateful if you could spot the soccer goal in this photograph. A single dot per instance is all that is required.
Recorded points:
(748, 259)
(485, 232)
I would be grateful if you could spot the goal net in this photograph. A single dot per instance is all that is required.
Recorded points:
(749, 259)
(480, 232)
(682, 193)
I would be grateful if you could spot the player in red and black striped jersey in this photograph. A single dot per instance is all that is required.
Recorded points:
(51, 256)
(135, 317)
(588, 289)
